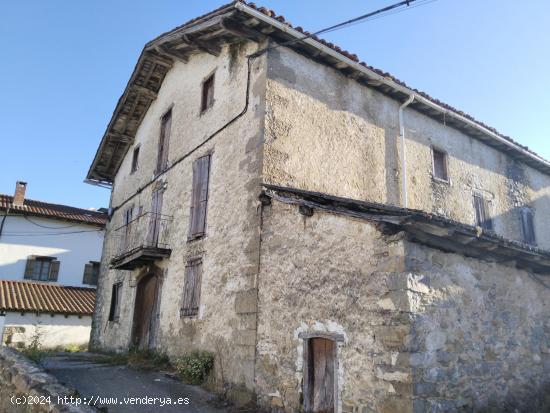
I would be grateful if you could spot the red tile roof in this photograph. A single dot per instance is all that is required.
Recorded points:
(29, 296)
(56, 211)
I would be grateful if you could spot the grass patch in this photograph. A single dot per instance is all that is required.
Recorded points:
(148, 360)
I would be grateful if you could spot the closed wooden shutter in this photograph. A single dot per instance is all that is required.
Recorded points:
(29, 267)
(319, 376)
(114, 310)
(527, 226)
(88, 274)
(192, 289)
(481, 208)
(54, 270)
(199, 197)
(164, 141)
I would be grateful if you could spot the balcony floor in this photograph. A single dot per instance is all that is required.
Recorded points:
(139, 257)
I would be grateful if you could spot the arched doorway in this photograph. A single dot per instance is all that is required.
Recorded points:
(146, 310)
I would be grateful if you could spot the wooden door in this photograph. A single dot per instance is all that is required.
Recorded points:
(145, 311)
(319, 383)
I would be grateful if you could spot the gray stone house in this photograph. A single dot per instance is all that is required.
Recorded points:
(340, 241)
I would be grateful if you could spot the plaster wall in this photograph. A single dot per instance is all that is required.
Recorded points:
(54, 329)
(230, 249)
(76, 246)
(325, 132)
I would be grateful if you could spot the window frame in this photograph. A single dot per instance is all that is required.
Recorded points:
(445, 164)
(94, 264)
(207, 99)
(52, 274)
(163, 143)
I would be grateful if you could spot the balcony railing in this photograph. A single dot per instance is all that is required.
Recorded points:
(142, 240)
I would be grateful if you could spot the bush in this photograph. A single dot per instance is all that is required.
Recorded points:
(193, 367)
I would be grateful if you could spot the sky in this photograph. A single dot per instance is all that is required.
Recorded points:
(65, 63)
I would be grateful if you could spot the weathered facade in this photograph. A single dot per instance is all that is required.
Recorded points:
(257, 212)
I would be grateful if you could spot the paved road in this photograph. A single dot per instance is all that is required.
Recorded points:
(101, 382)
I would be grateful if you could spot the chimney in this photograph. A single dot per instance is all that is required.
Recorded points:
(19, 196)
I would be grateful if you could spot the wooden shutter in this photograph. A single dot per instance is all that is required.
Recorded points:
(199, 197)
(527, 226)
(29, 267)
(482, 217)
(114, 310)
(164, 141)
(88, 273)
(192, 289)
(54, 270)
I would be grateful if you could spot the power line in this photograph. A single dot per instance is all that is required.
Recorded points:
(385, 11)
(47, 227)
(35, 234)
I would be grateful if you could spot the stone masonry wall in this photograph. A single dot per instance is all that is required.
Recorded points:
(325, 132)
(424, 330)
(481, 334)
(331, 274)
(26, 388)
(226, 323)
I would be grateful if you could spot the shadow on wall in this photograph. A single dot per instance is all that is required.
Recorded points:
(479, 334)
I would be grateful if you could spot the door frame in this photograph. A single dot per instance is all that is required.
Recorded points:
(306, 337)
(149, 271)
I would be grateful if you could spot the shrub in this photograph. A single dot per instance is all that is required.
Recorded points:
(193, 367)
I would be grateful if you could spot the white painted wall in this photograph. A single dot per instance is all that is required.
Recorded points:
(56, 330)
(2, 318)
(21, 238)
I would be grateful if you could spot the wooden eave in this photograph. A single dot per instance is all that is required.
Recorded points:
(238, 21)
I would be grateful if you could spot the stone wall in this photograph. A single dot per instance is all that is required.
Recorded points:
(22, 379)
(481, 334)
(330, 274)
(424, 330)
(226, 323)
(325, 132)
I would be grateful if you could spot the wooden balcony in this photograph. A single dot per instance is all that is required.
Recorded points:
(141, 241)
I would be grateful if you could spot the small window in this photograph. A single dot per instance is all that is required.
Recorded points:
(135, 159)
(483, 219)
(527, 226)
(440, 165)
(199, 197)
(192, 289)
(91, 273)
(207, 93)
(42, 268)
(114, 311)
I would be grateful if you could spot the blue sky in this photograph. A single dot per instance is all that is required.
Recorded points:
(65, 64)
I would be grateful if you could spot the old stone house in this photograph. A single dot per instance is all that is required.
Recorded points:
(340, 241)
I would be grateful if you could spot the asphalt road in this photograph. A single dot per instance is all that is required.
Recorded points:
(119, 389)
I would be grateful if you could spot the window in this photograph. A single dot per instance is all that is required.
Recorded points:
(207, 99)
(114, 311)
(440, 165)
(164, 140)
(135, 159)
(199, 197)
(481, 205)
(41, 268)
(192, 289)
(91, 273)
(527, 226)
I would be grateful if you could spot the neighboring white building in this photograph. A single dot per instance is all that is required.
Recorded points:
(48, 242)
(48, 254)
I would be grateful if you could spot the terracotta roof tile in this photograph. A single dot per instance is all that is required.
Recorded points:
(32, 296)
(44, 209)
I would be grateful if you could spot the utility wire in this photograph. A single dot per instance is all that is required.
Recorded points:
(38, 234)
(45, 226)
(391, 9)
